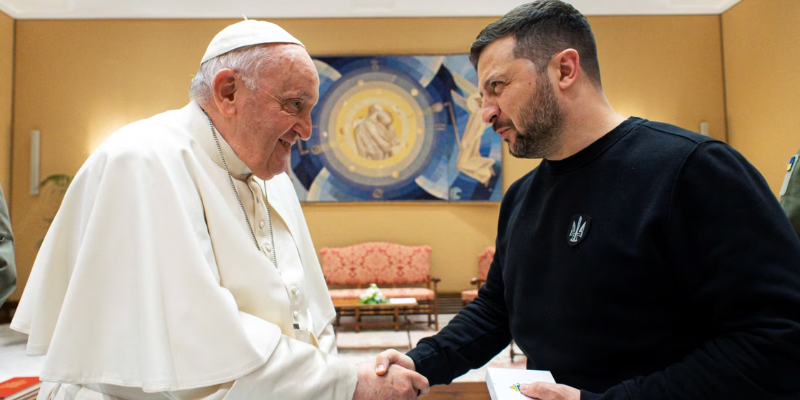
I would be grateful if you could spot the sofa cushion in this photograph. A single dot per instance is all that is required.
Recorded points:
(469, 295)
(381, 263)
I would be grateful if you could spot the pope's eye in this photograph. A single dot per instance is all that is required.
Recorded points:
(293, 105)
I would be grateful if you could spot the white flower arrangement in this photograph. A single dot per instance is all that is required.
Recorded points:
(372, 295)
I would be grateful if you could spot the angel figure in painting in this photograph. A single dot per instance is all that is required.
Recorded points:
(470, 161)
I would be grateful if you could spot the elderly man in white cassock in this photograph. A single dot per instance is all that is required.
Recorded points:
(180, 265)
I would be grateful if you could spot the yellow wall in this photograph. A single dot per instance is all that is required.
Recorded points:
(763, 84)
(665, 69)
(6, 85)
(77, 81)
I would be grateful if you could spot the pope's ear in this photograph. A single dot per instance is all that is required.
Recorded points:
(224, 92)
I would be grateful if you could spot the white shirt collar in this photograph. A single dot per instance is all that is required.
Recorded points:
(236, 166)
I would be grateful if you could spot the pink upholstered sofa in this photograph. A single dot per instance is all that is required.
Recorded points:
(388, 265)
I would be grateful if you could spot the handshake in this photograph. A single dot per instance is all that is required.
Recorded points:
(391, 377)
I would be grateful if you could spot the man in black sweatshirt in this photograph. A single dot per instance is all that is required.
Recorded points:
(638, 261)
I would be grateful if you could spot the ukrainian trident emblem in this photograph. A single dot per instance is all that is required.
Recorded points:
(579, 229)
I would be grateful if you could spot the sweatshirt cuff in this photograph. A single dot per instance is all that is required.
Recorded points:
(590, 396)
(418, 353)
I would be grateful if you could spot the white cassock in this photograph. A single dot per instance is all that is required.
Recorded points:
(149, 284)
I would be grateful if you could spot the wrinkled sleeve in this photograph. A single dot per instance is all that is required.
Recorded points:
(479, 331)
(737, 263)
(476, 334)
(296, 370)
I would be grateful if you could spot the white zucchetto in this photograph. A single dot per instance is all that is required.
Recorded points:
(247, 33)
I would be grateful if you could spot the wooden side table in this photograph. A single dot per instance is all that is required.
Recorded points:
(360, 310)
(460, 391)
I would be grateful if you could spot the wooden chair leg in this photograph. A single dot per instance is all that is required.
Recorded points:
(430, 322)
(358, 321)
(436, 312)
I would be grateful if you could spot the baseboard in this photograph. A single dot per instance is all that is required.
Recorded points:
(449, 303)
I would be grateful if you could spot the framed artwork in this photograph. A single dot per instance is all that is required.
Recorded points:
(398, 128)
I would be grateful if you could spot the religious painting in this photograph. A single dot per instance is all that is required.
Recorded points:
(390, 128)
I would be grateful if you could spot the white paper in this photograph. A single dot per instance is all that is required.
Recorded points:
(503, 383)
(402, 300)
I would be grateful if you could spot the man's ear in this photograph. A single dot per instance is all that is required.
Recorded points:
(225, 93)
(568, 63)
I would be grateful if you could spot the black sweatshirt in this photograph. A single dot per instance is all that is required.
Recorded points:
(653, 264)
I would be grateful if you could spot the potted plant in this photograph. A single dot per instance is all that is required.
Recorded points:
(372, 295)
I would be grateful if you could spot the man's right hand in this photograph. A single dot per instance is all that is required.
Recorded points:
(399, 383)
(392, 356)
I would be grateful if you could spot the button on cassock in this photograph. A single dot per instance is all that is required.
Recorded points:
(261, 224)
(296, 315)
(295, 290)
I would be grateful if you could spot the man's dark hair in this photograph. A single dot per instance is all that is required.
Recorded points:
(541, 29)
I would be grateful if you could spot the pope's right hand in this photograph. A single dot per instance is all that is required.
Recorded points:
(399, 383)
